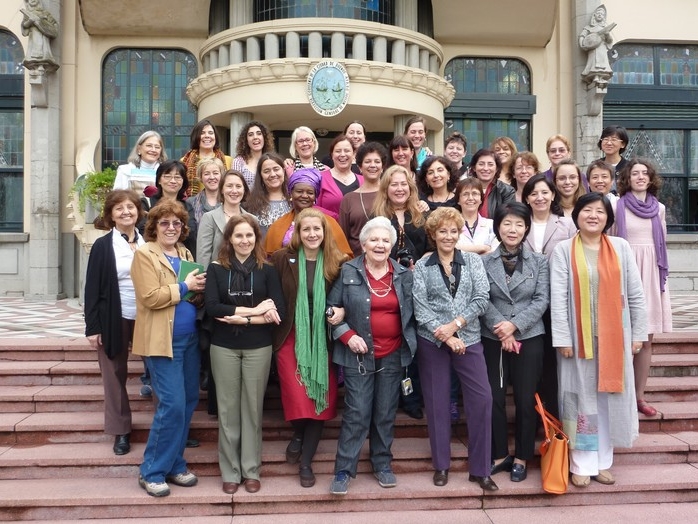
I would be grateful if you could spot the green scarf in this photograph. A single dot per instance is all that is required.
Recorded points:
(311, 339)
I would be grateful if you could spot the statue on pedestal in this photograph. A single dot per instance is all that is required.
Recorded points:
(41, 27)
(596, 40)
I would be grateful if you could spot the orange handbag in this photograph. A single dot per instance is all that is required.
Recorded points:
(554, 453)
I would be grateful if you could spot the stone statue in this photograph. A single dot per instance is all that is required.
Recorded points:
(596, 40)
(41, 27)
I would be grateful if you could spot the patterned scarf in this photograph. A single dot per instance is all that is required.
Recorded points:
(297, 164)
(609, 313)
(191, 160)
(311, 337)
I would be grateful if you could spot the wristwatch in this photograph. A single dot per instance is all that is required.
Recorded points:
(459, 324)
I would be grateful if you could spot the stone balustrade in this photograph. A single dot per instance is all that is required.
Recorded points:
(321, 38)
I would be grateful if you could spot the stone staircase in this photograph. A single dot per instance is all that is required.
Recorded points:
(56, 463)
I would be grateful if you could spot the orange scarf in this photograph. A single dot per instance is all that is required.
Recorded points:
(609, 314)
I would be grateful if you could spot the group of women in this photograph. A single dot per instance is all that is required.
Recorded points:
(392, 269)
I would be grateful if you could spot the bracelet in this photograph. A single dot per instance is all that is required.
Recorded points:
(249, 321)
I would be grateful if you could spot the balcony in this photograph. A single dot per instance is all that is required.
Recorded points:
(262, 68)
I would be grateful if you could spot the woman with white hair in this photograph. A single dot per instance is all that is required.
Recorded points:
(373, 344)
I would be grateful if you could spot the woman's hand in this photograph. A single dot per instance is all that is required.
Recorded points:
(233, 319)
(263, 307)
(637, 347)
(504, 329)
(422, 206)
(195, 281)
(337, 316)
(511, 345)
(95, 341)
(357, 345)
(456, 345)
(445, 331)
(272, 316)
(566, 352)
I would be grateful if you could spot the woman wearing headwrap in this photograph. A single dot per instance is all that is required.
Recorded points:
(303, 186)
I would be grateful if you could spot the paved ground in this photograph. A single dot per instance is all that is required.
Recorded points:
(24, 319)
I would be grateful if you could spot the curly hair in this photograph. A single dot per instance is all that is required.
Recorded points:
(227, 252)
(242, 147)
(116, 197)
(451, 183)
(333, 258)
(623, 182)
(371, 147)
(383, 207)
(440, 216)
(164, 209)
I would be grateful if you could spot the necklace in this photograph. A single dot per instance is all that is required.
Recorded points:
(380, 293)
(228, 215)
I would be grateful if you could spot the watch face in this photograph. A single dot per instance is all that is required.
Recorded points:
(328, 88)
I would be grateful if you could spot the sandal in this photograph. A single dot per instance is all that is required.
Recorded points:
(644, 408)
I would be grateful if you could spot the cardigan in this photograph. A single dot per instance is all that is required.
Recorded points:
(264, 283)
(330, 195)
(102, 298)
(523, 300)
(557, 229)
(350, 291)
(434, 305)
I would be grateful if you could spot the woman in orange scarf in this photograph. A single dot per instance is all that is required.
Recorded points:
(595, 290)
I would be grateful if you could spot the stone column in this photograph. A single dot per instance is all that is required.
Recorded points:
(44, 279)
(237, 122)
(590, 89)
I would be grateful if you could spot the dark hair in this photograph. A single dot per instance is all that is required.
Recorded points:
(242, 148)
(339, 138)
(371, 147)
(227, 252)
(479, 154)
(245, 187)
(415, 120)
(469, 182)
(163, 209)
(114, 198)
(623, 182)
(590, 198)
(195, 136)
(422, 184)
(618, 131)
(400, 141)
(531, 185)
(258, 198)
(346, 127)
(517, 209)
(581, 189)
(181, 170)
(601, 164)
(456, 136)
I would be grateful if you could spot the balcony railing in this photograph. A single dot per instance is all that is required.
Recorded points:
(322, 38)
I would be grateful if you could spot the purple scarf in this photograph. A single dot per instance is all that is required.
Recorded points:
(647, 209)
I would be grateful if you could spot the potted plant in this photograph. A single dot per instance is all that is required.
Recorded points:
(91, 189)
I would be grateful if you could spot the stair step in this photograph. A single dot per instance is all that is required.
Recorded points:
(676, 342)
(56, 372)
(674, 365)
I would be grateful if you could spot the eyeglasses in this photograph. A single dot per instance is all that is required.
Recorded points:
(362, 367)
(524, 168)
(166, 224)
(156, 147)
(611, 140)
(232, 293)
(561, 150)
(170, 178)
(304, 141)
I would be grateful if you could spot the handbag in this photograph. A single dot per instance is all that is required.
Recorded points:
(554, 453)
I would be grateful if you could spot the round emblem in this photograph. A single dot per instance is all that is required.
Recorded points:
(328, 88)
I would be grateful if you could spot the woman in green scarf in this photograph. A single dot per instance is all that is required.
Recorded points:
(308, 267)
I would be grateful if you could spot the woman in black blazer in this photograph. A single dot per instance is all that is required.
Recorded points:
(110, 308)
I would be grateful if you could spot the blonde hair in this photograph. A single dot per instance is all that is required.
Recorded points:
(383, 207)
(333, 258)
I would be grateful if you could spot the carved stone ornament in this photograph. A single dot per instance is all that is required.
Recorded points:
(596, 40)
(41, 27)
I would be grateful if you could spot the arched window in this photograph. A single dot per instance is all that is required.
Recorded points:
(146, 89)
(493, 98)
(654, 94)
(11, 133)
(369, 10)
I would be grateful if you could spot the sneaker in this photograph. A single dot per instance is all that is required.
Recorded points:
(186, 479)
(455, 415)
(154, 489)
(146, 391)
(340, 483)
(386, 478)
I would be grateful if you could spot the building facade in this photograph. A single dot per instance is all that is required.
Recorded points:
(75, 94)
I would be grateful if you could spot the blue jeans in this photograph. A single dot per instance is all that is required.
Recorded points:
(370, 405)
(176, 384)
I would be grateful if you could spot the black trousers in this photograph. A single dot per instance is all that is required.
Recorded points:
(522, 371)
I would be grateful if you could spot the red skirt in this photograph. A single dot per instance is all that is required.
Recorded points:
(294, 399)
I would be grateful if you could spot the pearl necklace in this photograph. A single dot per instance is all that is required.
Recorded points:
(380, 293)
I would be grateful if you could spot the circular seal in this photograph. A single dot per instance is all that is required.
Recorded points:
(328, 88)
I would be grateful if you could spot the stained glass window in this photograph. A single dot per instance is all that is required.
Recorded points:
(502, 76)
(632, 64)
(145, 89)
(11, 133)
(369, 10)
(678, 66)
(664, 65)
